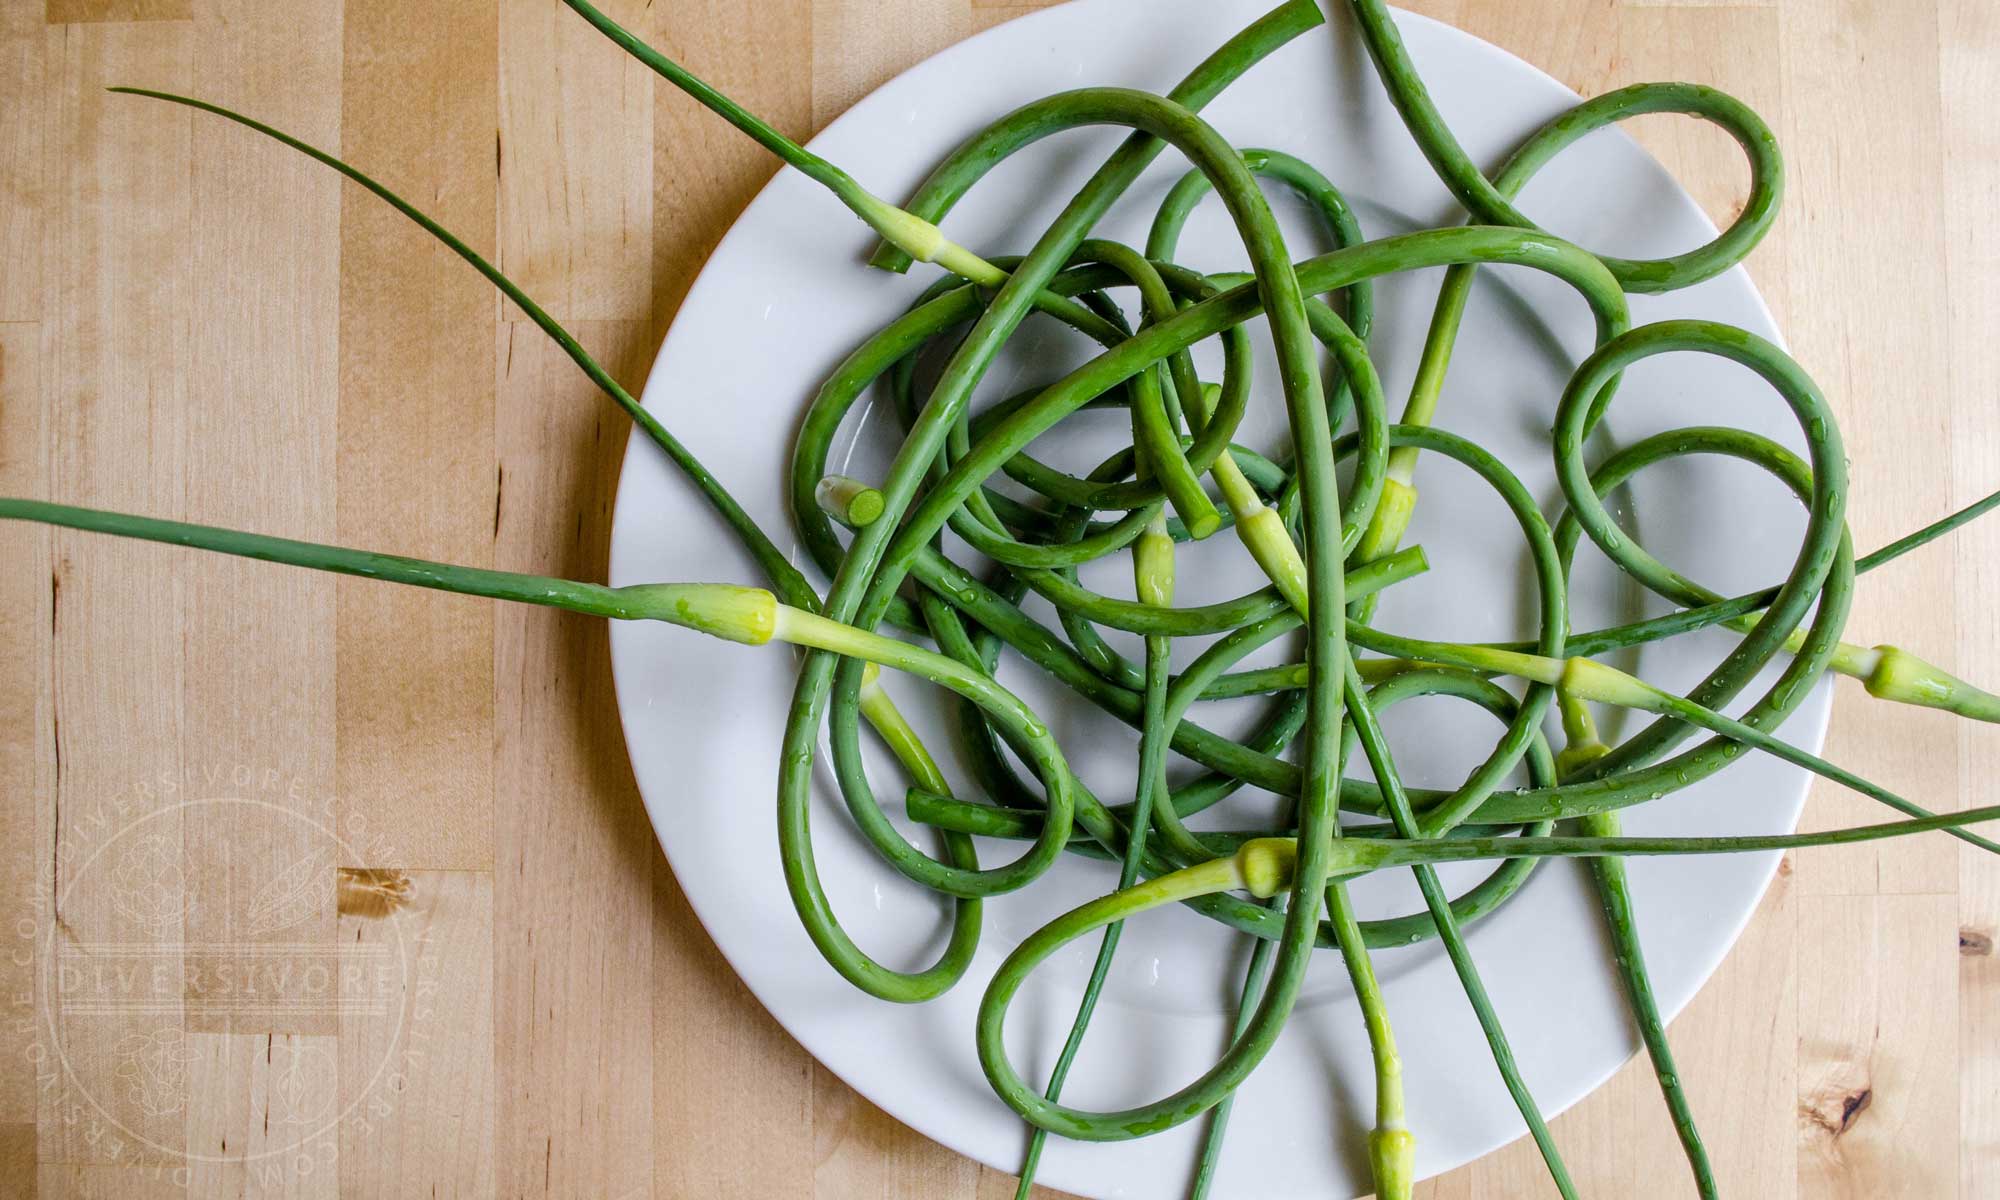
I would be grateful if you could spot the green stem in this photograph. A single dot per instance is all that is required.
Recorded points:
(1387, 853)
(913, 234)
(1614, 895)
(1255, 976)
(1376, 746)
(791, 585)
(1488, 204)
(1153, 576)
(626, 603)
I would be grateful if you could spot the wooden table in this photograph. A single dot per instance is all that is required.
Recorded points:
(223, 771)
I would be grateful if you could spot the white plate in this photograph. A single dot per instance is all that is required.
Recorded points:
(785, 297)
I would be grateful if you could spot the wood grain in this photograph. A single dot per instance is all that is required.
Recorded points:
(575, 161)
(27, 762)
(24, 93)
(859, 47)
(416, 1103)
(263, 428)
(566, 814)
(117, 379)
(1877, 1072)
(1892, 109)
(59, 11)
(1968, 45)
(414, 704)
(197, 323)
(704, 173)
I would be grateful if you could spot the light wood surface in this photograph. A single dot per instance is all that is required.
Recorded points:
(513, 998)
